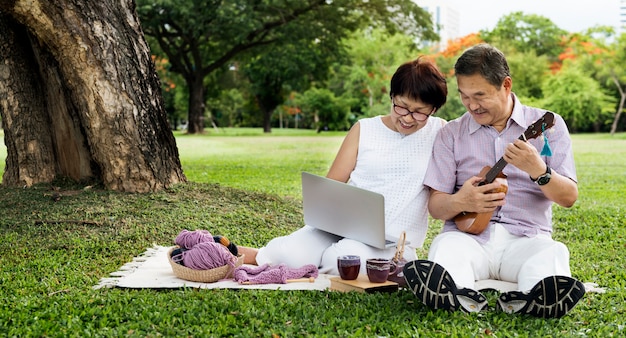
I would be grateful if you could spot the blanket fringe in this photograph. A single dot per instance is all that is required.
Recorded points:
(126, 269)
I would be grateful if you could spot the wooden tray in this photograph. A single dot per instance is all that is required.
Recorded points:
(361, 284)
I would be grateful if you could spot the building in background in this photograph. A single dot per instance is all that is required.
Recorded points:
(445, 19)
(622, 17)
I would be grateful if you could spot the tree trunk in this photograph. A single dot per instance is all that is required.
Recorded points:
(196, 105)
(267, 103)
(620, 107)
(267, 120)
(81, 97)
(30, 154)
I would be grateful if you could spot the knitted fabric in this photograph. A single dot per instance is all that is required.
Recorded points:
(277, 274)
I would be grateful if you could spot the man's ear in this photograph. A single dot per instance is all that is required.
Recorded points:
(507, 83)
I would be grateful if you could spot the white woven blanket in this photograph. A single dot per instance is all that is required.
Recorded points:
(152, 270)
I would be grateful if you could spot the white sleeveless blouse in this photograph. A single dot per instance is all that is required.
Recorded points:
(394, 165)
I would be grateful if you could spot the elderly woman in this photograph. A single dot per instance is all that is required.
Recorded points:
(387, 154)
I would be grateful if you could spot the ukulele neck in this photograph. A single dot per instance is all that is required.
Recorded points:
(494, 172)
(496, 169)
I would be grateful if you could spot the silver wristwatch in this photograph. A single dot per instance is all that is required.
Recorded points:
(545, 178)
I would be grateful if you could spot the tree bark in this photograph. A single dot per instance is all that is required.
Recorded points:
(195, 123)
(620, 106)
(81, 97)
(30, 156)
(267, 101)
(267, 116)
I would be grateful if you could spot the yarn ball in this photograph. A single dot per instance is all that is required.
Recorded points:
(200, 250)
(205, 256)
(227, 243)
(177, 255)
(188, 239)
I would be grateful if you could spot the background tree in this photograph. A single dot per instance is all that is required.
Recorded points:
(200, 37)
(578, 98)
(328, 111)
(291, 65)
(526, 33)
(528, 72)
(602, 57)
(171, 91)
(289, 111)
(228, 108)
(372, 55)
(80, 97)
(617, 75)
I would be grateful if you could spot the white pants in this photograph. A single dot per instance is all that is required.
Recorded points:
(311, 246)
(506, 257)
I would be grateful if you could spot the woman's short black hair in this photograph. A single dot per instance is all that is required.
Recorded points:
(420, 80)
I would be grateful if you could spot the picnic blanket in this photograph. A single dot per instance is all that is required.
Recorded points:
(151, 270)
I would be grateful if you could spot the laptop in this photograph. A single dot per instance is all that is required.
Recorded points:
(345, 210)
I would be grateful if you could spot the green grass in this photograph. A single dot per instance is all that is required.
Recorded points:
(257, 163)
(247, 187)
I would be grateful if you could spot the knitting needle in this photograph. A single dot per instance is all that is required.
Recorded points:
(297, 280)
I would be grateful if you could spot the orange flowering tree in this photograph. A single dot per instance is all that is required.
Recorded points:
(601, 54)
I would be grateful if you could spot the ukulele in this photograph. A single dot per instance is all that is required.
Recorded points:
(475, 223)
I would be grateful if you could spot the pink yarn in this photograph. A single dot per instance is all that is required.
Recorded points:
(266, 274)
(188, 239)
(205, 256)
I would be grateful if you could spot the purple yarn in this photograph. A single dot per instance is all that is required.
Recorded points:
(188, 239)
(205, 256)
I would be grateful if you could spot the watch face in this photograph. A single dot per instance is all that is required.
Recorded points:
(543, 179)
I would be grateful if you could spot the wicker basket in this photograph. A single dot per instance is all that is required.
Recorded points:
(202, 276)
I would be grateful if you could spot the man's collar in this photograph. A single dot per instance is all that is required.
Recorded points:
(517, 116)
(518, 113)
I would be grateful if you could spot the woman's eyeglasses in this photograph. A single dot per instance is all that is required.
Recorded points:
(416, 115)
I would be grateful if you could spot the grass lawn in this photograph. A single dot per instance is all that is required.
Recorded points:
(247, 186)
